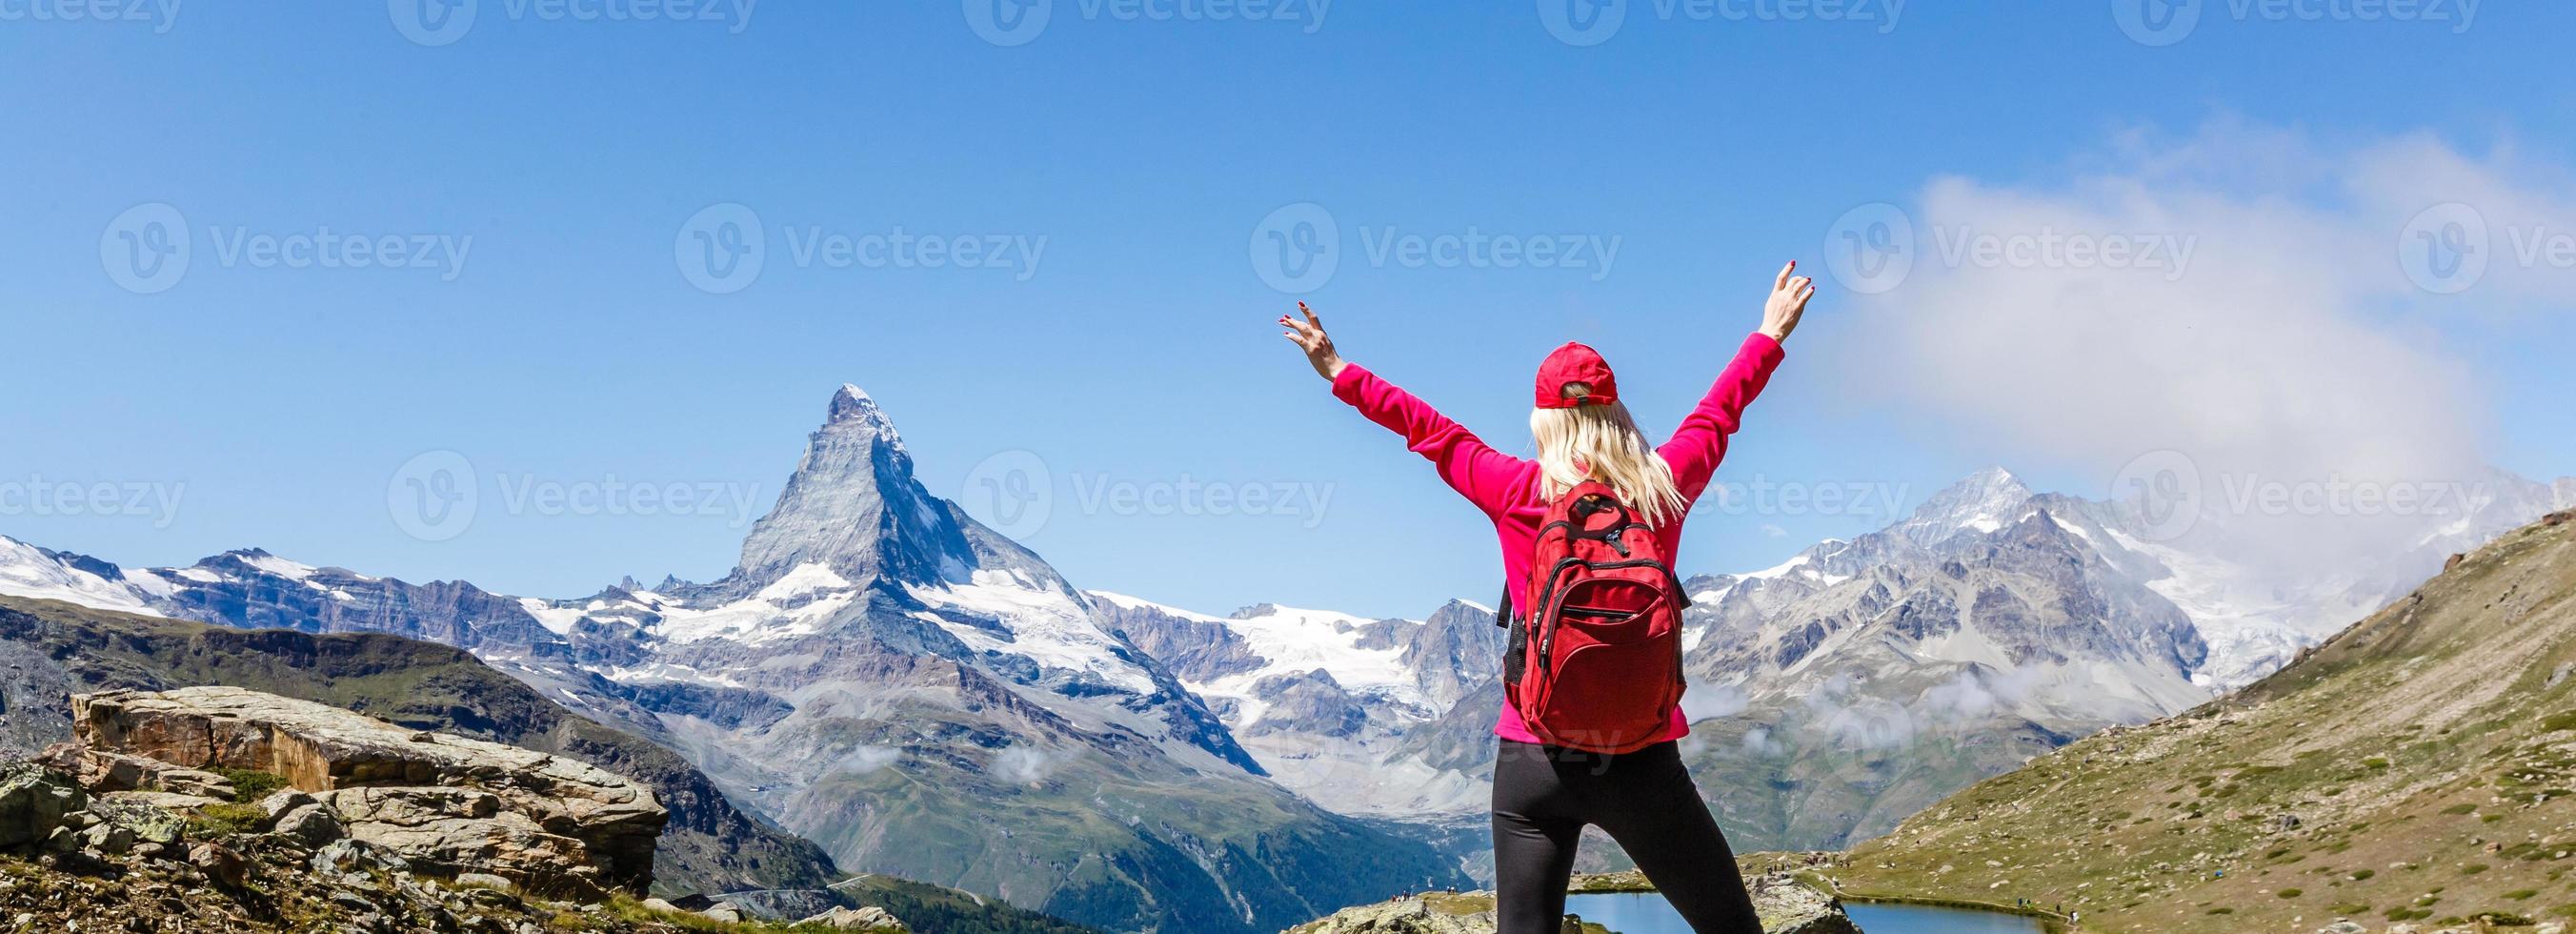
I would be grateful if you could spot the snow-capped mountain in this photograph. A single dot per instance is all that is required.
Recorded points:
(924, 696)
(45, 574)
(887, 677)
(1839, 690)
(1324, 699)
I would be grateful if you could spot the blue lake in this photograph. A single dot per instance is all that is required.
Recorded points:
(1648, 913)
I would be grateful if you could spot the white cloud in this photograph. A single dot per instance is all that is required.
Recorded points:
(2262, 321)
(1708, 702)
(866, 759)
(1026, 765)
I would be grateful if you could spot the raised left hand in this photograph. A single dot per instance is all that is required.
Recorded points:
(1309, 336)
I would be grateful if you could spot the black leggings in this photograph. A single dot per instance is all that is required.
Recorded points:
(1543, 797)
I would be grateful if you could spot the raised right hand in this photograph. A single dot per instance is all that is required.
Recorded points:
(1788, 302)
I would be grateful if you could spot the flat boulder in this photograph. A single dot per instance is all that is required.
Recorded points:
(869, 918)
(447, 803)
(1786, 905)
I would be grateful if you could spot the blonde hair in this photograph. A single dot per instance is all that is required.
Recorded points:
(1603, 438)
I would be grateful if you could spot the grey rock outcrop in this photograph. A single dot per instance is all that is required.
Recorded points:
(446, 804)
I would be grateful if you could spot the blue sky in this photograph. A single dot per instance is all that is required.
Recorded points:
(541, 175)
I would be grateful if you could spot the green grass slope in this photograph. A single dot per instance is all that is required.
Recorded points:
(2417, 767)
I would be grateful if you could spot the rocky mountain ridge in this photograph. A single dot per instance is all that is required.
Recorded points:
(889, 678)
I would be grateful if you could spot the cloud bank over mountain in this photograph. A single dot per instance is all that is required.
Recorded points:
(2245, 318)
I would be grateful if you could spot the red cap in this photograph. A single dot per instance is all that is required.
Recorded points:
(1575, 363)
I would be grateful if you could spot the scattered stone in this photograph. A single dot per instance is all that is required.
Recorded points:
(312, 825)
(358, 856)
(164, 800)
(723, 911)
(106, 839)
(482, 880)
(868, 918)
(34, 801)
(277, 804)
(219, 862)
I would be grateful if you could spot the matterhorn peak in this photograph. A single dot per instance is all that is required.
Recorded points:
(852, 405)
(854, 507)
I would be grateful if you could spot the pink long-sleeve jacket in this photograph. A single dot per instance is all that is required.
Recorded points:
(1506, 488)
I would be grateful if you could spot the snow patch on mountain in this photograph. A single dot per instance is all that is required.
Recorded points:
(29, 571)
(1294, 640)
(1046, 625)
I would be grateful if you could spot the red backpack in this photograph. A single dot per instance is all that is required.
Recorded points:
(1595, 663)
